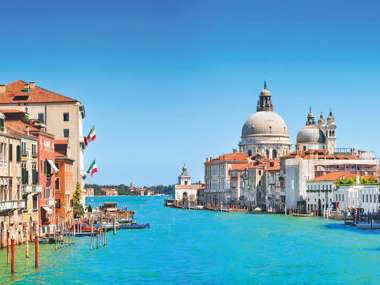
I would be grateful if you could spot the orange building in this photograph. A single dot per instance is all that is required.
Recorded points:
(64, 184)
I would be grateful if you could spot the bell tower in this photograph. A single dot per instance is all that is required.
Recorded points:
(330, 131)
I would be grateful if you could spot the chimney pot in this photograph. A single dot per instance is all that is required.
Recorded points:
(32, 84)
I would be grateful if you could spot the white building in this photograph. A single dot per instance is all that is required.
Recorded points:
(320, 195)
(316, 154)
(366, 197)
(298, 168)
(186, 193)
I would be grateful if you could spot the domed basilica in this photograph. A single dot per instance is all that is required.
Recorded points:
(317, 136)
(265, 132)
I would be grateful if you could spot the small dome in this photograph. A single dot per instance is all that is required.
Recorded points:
(264, 123)
(311, 134)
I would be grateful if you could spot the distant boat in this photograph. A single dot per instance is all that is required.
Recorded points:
(302, 215)
(134, 226)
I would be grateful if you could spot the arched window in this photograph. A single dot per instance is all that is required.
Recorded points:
(249, 152)
(274, 154)
(267, 153)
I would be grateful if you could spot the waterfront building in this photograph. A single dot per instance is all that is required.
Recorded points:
(29, 174)
(64, 182)
(109, 191)
(11, 200)
(90, 191)
(45, 167)
(62, 116)
(265, 132)
(46, 177)
(320, 191)
(358, 196)
(299, 167)
(261, 185)
(251, 177)
(217, 176)
(187, 193)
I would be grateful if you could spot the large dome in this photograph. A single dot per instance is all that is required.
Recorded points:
(311, 134)
(264, 123)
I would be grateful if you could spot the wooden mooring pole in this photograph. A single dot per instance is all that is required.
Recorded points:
(12, 255)
(36, 250)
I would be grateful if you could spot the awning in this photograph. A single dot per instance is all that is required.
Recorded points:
(47, 209)
(53, 166)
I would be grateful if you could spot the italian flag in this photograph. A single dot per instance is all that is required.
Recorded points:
(92, 169)
(91, 135)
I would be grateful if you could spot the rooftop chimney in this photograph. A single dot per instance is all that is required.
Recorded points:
(2, 88)
(32, 84)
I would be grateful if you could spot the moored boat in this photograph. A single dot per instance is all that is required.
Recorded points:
(132, 226)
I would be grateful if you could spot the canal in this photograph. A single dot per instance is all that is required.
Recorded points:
(202, 247)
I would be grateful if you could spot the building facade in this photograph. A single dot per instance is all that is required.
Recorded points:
(64, 183)
(62, 116)
(217, 177)
(186, 193)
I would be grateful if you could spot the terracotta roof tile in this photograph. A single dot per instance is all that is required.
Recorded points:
(333, 176)
(14, 94)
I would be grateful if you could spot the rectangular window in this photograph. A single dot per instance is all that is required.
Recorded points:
(23, 148)
(41, 117)
(66, 117)
(18, 153)
(34, 150)
(34, 174)
(10, 152)
(57, 184)
(66, 133)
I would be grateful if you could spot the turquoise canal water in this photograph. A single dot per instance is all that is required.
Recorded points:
(201, 247)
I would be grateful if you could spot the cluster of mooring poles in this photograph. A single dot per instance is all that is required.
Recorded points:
(99, 237)
(28, 233)
(63, 235)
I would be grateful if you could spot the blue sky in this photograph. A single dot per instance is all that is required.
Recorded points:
(172, 82)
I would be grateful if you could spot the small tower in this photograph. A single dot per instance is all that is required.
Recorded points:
(330, 132)
(321, 121)
(265, 100)
(310, 118)
(184, 178)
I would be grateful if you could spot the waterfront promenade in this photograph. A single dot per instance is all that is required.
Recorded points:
(206, 247)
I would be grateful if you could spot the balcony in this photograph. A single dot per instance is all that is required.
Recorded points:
(24, 153)
(11, 205)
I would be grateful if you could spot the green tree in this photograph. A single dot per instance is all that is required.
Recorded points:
(77, 202)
